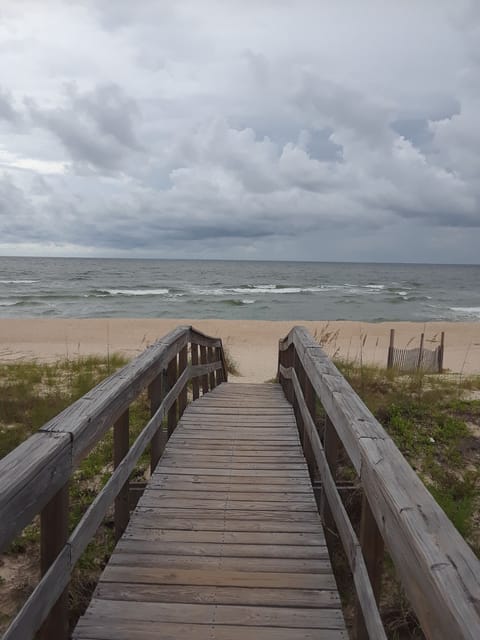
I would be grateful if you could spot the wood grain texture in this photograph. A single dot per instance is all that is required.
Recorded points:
(439, 571)
(226, 540)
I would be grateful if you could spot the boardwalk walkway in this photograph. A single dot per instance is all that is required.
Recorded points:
(226, 542)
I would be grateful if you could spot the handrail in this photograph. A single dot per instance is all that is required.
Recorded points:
(35, 475)
(438, 570)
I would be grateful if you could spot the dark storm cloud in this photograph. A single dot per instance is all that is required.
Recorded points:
(270, 132)
(97, 128)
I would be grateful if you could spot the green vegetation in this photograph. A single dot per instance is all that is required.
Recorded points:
(436, 425)
(232, 364)
(30, 395)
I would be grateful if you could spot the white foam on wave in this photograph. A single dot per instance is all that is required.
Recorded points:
(374, 286)
(7, 303)
(134, 292)
(17, 281)
(471, 311)
(401, 293)
(248, 301)
(261, 289)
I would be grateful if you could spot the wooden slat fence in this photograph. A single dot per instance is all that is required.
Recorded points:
(35, 476)
(438, 570)
(417, 359)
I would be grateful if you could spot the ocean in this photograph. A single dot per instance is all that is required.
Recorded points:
(84, 288)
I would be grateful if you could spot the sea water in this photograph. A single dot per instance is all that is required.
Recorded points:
(82, 288)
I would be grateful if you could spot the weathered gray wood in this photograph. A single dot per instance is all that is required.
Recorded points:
(204, 361)
(211, 358)
(53, 536)
(30, 476)
(155, 391)
(182, 365)
(439, 572)
(372, 546)
(42, 600)
(92, 518)
(351, 545)
(121, 443)
(226, 536)
(172, 373)
(194, 350)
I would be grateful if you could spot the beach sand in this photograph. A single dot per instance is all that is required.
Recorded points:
(252, 343)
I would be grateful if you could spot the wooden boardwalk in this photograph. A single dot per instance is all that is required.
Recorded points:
(226, 542)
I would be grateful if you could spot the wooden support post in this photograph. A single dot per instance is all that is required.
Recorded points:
(301, 379)
(289, 361)
(331, 445)
(155, 393)
(195, 382)
(219, 373)
(211, 358)
(373, 548)
(420, 352)
(204, 360)
(172, 412)
(311, 402)
(441, 352)
(280, 378)
(390, 349)
(120, 449)
(182, 365)
(53, 536)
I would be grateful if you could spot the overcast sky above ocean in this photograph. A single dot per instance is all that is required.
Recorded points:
(269, 129)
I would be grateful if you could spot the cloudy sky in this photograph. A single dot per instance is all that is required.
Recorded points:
(268, 129)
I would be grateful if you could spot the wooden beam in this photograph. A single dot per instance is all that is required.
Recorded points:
(120, 449)
(155, 392)
(204, 360)
(195, 360)
(172, 372)
(53, 536)
(182, 365)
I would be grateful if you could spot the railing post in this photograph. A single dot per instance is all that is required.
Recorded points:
(204, 360)
(280, 363)
(289, 360)
(297, 365)
(420, 352)
(311, 402)
(218, 356)
(156, 394)
(172, 412)
(372, 545)
(120, 449)
(182, 365)
(53, 536)
(331, 445)
(211, 358)
(195, 383)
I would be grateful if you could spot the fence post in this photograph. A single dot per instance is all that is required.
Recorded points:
(53, 536)
(372, 546)
(156, 445)
(441, 351)
(182, 365)
(172, 412)
(311, 402)
(390, 349)
(420, 352)
(297, 365)
(280, 363)
(120, 450)
(204, 360)
(211, 358)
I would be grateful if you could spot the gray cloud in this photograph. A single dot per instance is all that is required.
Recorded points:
(272, 132)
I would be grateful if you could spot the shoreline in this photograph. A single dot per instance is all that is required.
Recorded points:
(253, 344)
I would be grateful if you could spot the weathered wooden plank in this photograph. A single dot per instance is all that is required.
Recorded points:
(218, 577)
(157, 520)
(226, 537)
(138, 630)
(322, 598)
(218, 615)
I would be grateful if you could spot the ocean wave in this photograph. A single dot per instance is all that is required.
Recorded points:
(17, 281)
(467, 311)
(256, 290)
(8, 303)
(237, 303)
(131, 292)
(374, 286)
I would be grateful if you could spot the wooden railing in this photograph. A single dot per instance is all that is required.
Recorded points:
(439, 572)
(34, 477)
